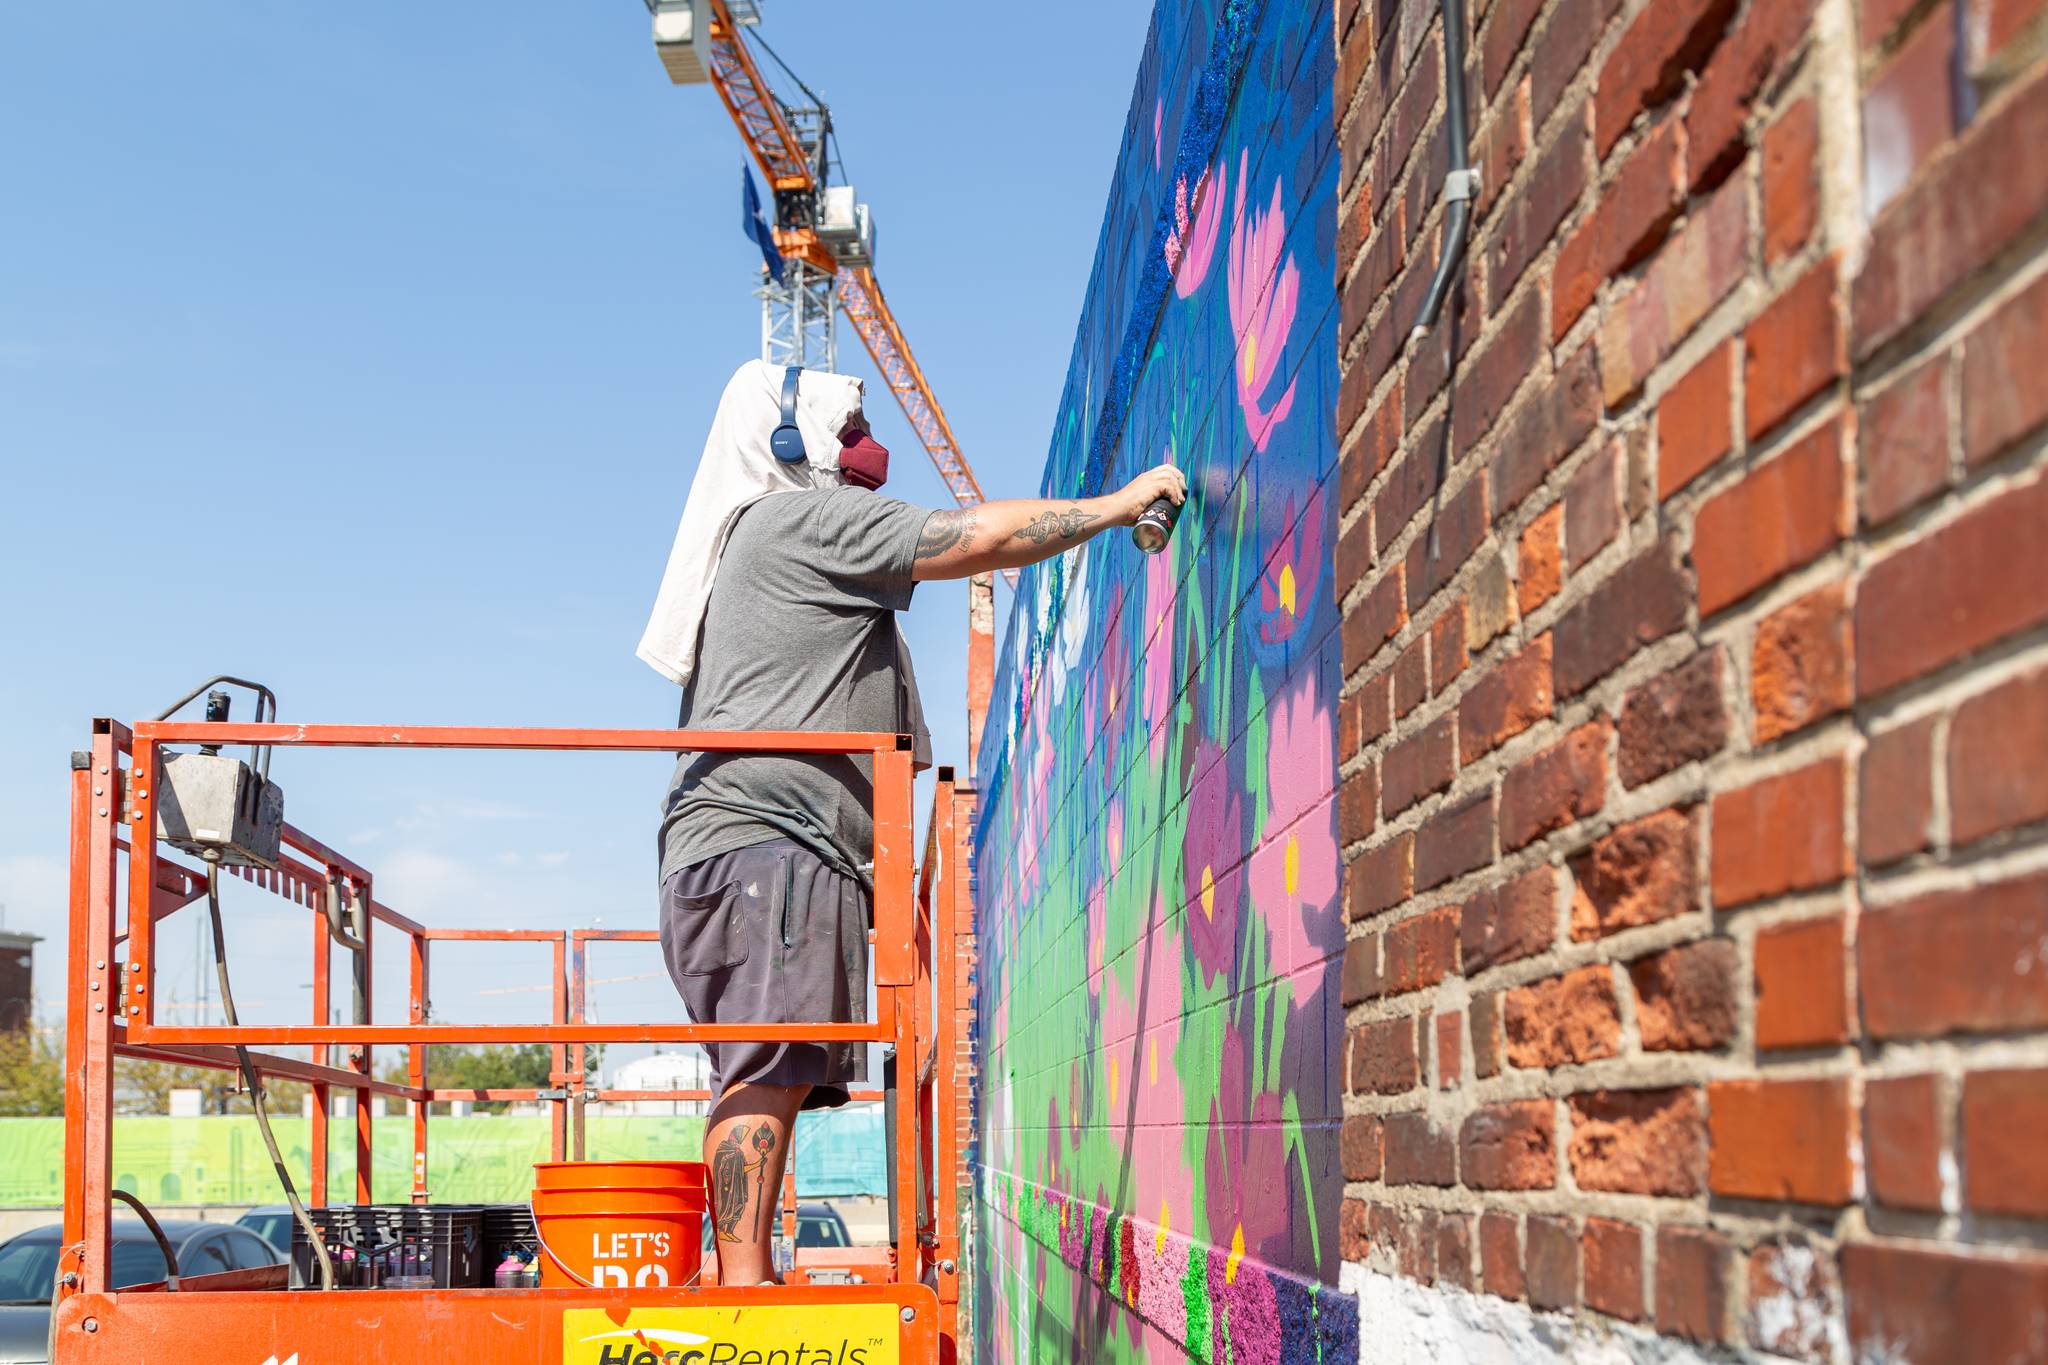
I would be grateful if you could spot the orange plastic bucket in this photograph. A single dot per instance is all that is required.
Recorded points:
(619, 1225)
(583, 1175)
(599, 1199)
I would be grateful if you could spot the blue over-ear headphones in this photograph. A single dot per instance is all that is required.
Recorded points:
(786, 441)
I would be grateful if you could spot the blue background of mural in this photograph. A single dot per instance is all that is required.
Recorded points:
(1157, 861)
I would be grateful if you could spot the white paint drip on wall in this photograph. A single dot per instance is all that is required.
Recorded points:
(1838, 96)
(1801, 1313)
(1401, 1322)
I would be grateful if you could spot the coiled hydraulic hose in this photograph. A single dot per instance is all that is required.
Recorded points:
(63, 1277)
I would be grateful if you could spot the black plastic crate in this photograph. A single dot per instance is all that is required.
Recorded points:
(371, 1243)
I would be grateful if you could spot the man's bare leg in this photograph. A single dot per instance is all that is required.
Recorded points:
(746, 1146)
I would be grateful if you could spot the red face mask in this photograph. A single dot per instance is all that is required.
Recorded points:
(862, 459)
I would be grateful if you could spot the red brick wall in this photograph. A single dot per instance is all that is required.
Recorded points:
(1695, 722)
(959, 1126)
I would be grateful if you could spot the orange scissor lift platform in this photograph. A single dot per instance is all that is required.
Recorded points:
(842, 1306)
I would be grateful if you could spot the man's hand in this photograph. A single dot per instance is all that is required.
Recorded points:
(1003, 535)
(1160, 481)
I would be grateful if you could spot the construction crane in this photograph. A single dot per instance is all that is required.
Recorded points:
(827, 240)
(825, 234)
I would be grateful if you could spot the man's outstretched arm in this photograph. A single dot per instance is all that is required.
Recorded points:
(1006, 535)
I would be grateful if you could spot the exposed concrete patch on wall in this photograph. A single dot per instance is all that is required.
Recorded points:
(1401, 1322)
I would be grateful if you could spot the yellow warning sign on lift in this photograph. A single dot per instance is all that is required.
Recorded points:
(771, 1334)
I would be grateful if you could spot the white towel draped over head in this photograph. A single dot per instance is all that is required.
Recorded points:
(737, 470)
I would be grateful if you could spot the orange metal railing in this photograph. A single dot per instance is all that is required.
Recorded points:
(112, 1014)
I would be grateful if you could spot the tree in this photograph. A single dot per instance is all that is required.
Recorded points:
(523, 1066)
(31, 1074)
(146, 1089)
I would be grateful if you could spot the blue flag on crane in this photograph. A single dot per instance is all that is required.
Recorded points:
(756, 224)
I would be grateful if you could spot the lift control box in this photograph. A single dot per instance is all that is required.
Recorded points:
(210, 803)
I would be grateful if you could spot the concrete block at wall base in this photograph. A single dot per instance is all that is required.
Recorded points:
(1401, 1321)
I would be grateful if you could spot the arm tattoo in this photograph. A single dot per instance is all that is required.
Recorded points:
(1065, 525)
(949, 530)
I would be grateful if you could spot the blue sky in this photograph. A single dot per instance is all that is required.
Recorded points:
(367, 350)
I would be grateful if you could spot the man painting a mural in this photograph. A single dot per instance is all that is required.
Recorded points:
(777, 612)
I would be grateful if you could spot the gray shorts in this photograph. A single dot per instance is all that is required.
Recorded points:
(771, 934)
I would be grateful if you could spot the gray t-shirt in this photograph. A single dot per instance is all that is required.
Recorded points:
(798, 635)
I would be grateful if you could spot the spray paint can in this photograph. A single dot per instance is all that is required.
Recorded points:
(1154, 526)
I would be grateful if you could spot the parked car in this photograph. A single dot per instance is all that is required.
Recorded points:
(273, 1223)
(817, 1225)
(28, 1271)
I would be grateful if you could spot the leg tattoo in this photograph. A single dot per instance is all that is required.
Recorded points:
(729, 1167)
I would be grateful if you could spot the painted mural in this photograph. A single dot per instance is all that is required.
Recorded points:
(1157, 862)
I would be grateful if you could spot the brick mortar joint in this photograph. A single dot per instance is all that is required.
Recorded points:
(1734, 630)
(1730, 629)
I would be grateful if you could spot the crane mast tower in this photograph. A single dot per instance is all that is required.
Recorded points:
(821, 228)
(826, 237)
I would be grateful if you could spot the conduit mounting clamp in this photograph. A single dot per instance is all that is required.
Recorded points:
(1462, 184)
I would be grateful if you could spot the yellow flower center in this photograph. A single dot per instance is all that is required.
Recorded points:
(1159, 1237)
(1236, 1255)
(1287, 587)
(1251, 355)
(1293, 864)
(1208, 893)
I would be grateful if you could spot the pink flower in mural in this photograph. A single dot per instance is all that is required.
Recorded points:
(1301, 756)
(1263, 294)
(1113, 678)
(1035, 816)
(1159, 985)
(1287, 586)
(1113, 838)
(1120, 1047)
(1157, 632)
(1248, 1175)
(1098, 927)
(1190, 246)
(1213, 847)
(1295, 872)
